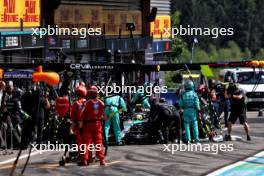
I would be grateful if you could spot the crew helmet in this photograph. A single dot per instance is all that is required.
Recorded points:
(81, 91)
(188, 85)
(92, 92)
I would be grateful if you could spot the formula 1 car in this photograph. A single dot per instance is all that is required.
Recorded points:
(127, 122)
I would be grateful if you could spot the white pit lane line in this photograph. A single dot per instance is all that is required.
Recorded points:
(229, 167)
(21, 157)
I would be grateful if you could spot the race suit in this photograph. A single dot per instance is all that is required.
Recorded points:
(167, 115)
(189, 102)
(113, 106)
(214, 109)
(92, 128)
(76, 112)
(238, 108)
(14, 116)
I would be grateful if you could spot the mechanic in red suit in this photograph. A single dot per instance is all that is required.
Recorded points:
(76, 112)
(92, 126)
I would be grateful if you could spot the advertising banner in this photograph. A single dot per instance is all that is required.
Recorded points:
(116, 20)
(96, 17)
(12, 11)
(111, 20)
(67, 15)
(161, 27)
(136, 17)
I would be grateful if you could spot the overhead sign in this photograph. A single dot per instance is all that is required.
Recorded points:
(12, 11)
(161, 27)
(15, 39)
(11, 41)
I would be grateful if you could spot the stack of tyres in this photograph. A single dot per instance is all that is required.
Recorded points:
(204, 123)
(204, 126)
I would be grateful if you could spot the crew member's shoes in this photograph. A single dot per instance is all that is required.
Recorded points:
(179, 141)
(228, 138)
(102, 162)
(82, 163)
(91, 160)
(248, 138)
(119, 143)
(197, 142)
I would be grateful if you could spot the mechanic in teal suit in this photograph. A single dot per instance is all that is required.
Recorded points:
(190, 104)
(114, 105)
(142, 98)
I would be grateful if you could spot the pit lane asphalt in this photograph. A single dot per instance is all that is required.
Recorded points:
(145, 160)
